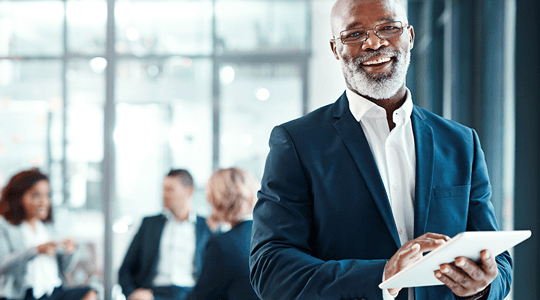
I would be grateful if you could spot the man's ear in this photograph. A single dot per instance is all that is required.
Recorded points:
(411, 35)
(333, 47)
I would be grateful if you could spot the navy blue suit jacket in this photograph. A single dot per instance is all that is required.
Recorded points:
(323, 226)
(140, 264)
(225, 271)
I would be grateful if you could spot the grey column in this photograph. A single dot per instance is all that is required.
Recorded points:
(109, 153)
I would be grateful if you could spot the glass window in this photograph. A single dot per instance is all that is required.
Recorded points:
(261, 25)
(255, 98)
(86, 26)
(85, 86)
(182, 87)
(30, 105)
(31, 79)
(31, 28)
(164, 27)
(23, 135)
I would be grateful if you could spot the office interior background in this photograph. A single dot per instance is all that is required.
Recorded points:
(107, 96)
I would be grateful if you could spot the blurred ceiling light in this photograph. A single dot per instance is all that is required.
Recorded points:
(37, 161)
(262, 94)
(120, 227)
(128, 220)
(98, 64)
(40, 120)
(176, 138)
(186, 62)
(226, 75)
(5, 103)
(56, 104)
(152, 70)
(132, 34)
(227, 140)
(3, 149)
(17, 138)
(149, 41)
(246, 140)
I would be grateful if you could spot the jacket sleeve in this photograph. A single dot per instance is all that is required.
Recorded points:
(482, 217)
(281, 262)
(213, 282)
(10, 260)
(131, 264)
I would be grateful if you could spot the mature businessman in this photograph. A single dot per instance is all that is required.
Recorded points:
(357, 190)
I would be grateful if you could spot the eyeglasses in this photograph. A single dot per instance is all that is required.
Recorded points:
(383, 31)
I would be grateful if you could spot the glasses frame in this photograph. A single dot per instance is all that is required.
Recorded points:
(402, 26)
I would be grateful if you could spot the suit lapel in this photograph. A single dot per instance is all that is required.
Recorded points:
(355, 140)
(423, 136)
(154, 241)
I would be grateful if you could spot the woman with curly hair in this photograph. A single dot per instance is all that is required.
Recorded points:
(232, 194)
(31, 261)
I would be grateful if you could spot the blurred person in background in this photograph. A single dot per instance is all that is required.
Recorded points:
(32, 262)
(165, 256)
(232, 194)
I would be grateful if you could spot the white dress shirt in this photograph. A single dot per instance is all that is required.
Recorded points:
(176, 260)
(42, 271)
(394, 153)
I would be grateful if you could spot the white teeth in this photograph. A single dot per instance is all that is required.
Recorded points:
(377, 61)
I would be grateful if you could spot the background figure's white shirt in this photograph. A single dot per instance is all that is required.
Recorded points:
(176, 260)
(394, 153)
(42, 271)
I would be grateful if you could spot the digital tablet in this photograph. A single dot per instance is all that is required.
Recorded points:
(467, 244)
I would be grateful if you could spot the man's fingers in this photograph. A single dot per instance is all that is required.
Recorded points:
(394, 292)
(489, 265)
(436, 236)
(429, 244)
(408, 254)
(471, 268)
(454, 286)
(457, 275)
(430, 241)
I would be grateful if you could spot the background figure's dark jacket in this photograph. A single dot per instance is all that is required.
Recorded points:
(140, 264)
(225, 272)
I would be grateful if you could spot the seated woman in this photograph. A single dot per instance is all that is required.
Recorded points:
(232, 193)
(31, 261)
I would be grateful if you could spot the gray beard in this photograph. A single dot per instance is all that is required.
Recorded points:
(377, 86)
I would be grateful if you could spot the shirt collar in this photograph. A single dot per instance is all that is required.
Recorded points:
(247, 217)
(192, 218)
(361, 107)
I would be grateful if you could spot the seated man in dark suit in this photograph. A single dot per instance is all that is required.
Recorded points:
(165, 257)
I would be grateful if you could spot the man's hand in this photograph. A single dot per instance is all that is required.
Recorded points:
(141, 294)
(411, 252)
(466, 277)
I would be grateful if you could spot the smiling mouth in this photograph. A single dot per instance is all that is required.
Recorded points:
(377, 62)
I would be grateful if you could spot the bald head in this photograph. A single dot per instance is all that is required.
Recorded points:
(344, 10)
